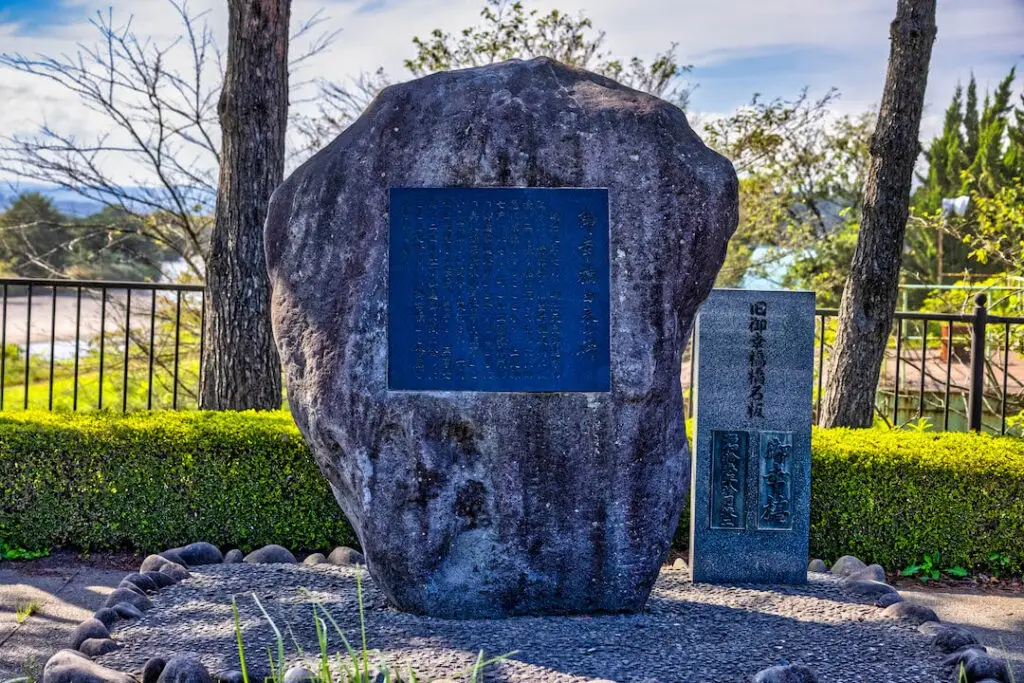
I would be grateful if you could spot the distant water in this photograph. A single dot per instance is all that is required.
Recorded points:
(73, 203)
(776, 271)
(62, 350)
(66, 201)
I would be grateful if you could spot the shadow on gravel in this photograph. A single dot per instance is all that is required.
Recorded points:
(683, 636)
(996, 618)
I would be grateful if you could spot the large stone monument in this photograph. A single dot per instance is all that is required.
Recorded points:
(751, 483)
(489, 378)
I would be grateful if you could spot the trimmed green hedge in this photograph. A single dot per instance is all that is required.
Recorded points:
(893, 496)
(149, 481)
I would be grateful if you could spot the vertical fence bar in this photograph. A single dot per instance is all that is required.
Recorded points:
(976, 396)
(1006, 374)
(28, 341)
(896, 386)
(821, 371)
(127, 346)
(152, 336)
(924, 362)
(949, 370)
(3, 348)
(78, 343)
(202, 348)
(53, 339)
(103, 327)
(177, 339)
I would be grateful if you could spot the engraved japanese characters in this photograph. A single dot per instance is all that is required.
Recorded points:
(774, 490)
(751, 471)
(498, 289)
(729, 474)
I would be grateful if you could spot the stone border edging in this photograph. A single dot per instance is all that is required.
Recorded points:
(130, 599)
(957, 642)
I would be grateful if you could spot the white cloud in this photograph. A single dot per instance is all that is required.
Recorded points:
(983, 35)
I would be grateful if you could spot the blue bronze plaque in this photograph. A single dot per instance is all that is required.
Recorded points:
(729, 479)
(775, 490)
(498, 289)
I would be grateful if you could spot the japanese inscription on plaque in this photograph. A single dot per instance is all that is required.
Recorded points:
(756, 359)
(728, 479)
(774, 490)
(499, 289)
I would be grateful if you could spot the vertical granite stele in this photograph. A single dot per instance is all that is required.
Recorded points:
(750, 488)
(481, 503)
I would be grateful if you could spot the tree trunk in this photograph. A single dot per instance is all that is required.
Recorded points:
(241, 366)
(869, 298)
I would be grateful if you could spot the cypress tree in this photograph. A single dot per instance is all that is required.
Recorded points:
(971, 130)
(987, 171)
(945, 158)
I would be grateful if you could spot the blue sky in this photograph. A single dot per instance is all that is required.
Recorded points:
(34, 13)
(737, 47)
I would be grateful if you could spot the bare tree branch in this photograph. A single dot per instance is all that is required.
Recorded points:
(158, 162)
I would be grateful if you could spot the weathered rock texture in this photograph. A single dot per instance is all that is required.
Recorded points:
(472, 504)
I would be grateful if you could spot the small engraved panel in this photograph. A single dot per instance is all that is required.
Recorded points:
(498, 289)
(775, 485)
(728, 479)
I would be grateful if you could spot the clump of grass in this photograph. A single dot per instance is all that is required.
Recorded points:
(1009, 664)
(355, 664)
(961, 676)
(24, 610)
(31, 671)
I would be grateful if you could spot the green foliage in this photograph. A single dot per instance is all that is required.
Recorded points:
(970, 120)
(24, 610)
(175, 354)
(356, 668)
(988, 172)
(923, 424)
(998, 235)
(801, 173)
(928, 569)
(33, 236)
(998, 562)
(892, 497)
(976, 153)
(38, 240)
(824, 268)
(507, 30)
(149, 481)
(979, 154)
(946, 156)
(15, 552)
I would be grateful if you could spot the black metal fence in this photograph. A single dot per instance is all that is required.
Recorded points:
(85, 340)
(81, 344)
(982, 347)
(941, 371)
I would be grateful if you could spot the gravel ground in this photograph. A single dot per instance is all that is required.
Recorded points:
(688, 632)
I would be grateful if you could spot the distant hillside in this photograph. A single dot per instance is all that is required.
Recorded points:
(72, 203)
(67, 201)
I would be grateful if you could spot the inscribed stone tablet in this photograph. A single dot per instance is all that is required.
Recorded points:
(498, 289)
(750, 481)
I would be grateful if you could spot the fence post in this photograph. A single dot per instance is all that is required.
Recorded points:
(977, 391)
